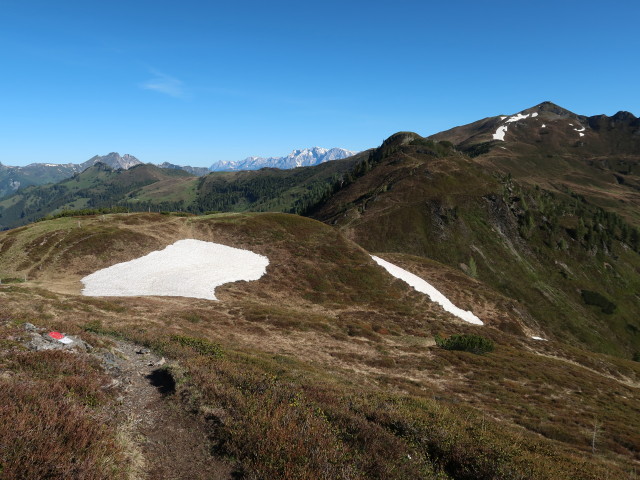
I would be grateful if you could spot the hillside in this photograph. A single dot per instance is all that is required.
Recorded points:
(556, 254)
(14, 178)
(325, 367)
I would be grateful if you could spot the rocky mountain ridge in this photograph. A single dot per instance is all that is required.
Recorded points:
(306, 157)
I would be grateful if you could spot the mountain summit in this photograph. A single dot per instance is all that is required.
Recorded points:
(114, 160)
(548, 128)
(298, 158)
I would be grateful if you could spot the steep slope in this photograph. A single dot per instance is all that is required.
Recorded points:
(554, 256)
(324, 368)
(596, 157)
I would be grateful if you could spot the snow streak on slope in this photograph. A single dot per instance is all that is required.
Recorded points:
(423, 287)
(499, 135)
(517, 117)
(188, 268)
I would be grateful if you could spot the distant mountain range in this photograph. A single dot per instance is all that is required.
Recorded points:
(14, 178)
(307, 157)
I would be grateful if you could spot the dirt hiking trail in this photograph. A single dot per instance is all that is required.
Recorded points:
(167, 442)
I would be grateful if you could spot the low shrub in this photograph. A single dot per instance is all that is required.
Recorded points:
(467, 343)
(598, 300)
(199, 345)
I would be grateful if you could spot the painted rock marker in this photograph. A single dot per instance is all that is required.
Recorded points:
(60, 337)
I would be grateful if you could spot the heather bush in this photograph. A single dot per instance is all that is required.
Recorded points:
(467, 343)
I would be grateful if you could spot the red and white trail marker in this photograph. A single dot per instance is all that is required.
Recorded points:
(60, 337)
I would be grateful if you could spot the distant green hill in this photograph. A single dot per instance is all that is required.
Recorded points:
(98, 186)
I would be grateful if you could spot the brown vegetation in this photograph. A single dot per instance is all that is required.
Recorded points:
(299, 375)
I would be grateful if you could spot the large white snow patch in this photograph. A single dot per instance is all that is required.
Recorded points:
(499, 135)
(423, 287)
(188, 268)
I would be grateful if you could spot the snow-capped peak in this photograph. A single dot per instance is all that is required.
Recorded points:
(305, 157)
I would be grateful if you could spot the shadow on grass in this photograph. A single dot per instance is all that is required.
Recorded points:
(163, 381)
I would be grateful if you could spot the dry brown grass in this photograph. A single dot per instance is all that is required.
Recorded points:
(315, 385)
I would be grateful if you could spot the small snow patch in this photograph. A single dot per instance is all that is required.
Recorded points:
(188, 268)
(502, 118)
(517, 117)
(423, 287)
(539, 338)
(534, 114)
(499, 135)
(543, 126)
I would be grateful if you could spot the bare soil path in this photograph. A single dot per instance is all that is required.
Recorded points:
(169, 442)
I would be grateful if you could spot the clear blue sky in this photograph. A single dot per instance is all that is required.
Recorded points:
(193, 82)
